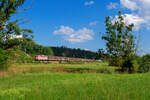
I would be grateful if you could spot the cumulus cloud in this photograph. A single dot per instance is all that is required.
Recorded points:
(88, 3)
(130, 4)
(113, 5)
(132, 19)
(93, 23)
(75, 36)
(140, 9)
(140, 12)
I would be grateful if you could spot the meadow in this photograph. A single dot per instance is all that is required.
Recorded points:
(52, 82)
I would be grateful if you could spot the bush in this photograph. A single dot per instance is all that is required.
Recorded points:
(3, 59)
(144, 67)
(130, 65)
(116, 61)
(18, 56)
(135, 66)
(106, 70)
(145, 64)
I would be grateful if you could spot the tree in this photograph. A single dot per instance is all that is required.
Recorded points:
(30, 47)
(145, 64)
(10, 30)
(101, 54)
(119, 38)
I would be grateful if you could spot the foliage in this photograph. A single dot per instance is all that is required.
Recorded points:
(30, 47)
(120, 43)
(9, 35)
(135, 65)
(106, 70)
(130, 65)
(115, 61)
(18, 56)
(10, 30)
(101, 54)
(145, 64)
(3, 59)
(119, 37)
(75, 53)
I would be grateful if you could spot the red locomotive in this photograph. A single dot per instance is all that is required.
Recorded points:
(41, 58)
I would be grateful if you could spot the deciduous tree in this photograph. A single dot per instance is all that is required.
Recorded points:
(120, 42)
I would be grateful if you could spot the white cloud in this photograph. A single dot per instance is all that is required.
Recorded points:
(134, 19)
(75, 36)
(130, 4)
(93, 23)
(140, 12)
(88, 3)
(16, 36)
(131, 19)
(113, 5)
(64, 30)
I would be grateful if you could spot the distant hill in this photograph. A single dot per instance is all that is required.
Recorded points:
(32, 48)
(76, 53)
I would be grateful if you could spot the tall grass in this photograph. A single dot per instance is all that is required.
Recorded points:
(40, 82)
(75, 87)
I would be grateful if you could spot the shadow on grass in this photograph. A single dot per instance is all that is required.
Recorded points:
(82, 70)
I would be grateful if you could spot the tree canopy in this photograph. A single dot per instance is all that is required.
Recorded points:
(119, 38)
(10, 30)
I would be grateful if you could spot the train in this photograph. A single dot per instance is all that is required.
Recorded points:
(58, 59)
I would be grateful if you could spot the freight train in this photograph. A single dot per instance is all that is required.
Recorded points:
(57, 59)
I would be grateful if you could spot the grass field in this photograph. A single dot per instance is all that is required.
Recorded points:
(74, 86)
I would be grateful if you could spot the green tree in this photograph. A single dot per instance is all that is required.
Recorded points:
(9, 30)
(101, 54)
(119, 38)
(145, 64)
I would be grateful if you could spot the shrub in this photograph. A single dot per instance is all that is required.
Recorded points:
(18, 56)
(144, 67)
(130, 65)
(3, 59)
(135, 65)
(116, 61)
(145, 64)
(106, 70)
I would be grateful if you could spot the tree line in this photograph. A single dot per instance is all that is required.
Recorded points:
(75, 53)
(32, 48)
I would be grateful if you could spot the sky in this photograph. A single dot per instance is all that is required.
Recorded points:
(80, 23)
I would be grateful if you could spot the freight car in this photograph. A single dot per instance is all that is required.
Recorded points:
(57, 59)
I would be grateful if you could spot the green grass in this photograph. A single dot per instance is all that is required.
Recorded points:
(56, 67)
(75, 86)
(86, 65)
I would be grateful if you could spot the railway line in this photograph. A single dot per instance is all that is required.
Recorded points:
(64, 59)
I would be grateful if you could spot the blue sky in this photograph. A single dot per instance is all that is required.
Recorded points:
(78, 23)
